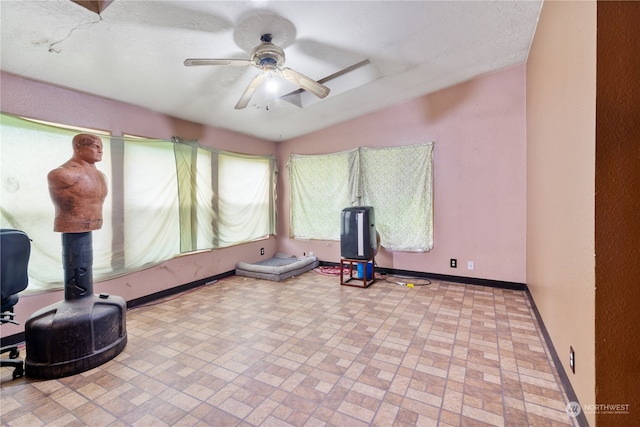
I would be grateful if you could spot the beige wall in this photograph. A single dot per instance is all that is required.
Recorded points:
(561, 100)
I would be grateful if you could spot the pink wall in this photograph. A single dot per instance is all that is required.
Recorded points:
(36, 100)
(44, 102)
(479, 175)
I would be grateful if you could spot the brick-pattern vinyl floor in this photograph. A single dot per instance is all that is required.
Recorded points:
(309, 352)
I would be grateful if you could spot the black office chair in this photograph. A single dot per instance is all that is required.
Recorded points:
(15, 249)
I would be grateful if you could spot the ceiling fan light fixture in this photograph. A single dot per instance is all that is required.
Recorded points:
(272, 86)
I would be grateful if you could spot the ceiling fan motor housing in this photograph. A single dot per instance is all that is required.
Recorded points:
(267, 54)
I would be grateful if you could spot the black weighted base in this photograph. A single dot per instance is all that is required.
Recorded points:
(74, 336)
(81, 332)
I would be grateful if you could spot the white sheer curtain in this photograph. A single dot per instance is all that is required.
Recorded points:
(165, 198)
(196, 168)
(204, 196)
(225, 198)
(151, 215)
(28, 151)
(244, 198)
(396, 181)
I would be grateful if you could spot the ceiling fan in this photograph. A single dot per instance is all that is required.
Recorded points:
(270, 59)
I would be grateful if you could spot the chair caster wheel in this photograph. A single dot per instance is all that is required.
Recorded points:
(18, 372)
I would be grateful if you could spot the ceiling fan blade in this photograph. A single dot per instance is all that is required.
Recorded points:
(304, 82)
(248, 92)
(205, 61)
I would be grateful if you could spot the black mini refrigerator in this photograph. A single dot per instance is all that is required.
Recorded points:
(358, 233)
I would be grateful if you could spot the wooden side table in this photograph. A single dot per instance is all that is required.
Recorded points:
(362, 282)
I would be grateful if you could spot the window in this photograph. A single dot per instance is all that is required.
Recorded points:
(246, 194)
(165, 198)
(396, 181)
(225, 198)
(320, 189)
(29, 150)
(150, 203)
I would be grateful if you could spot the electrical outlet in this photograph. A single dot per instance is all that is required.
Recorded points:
(572, 359)
(261, 251)
(453, 263)
(470, 265)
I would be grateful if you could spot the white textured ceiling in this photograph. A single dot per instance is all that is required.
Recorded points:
(134, 52)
